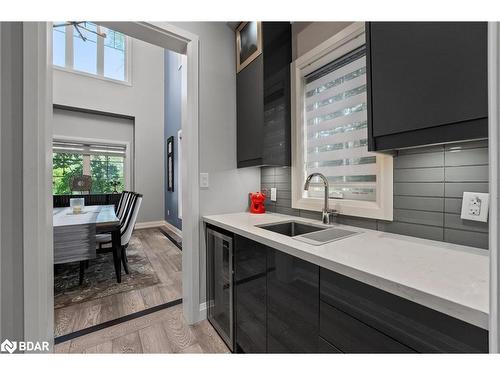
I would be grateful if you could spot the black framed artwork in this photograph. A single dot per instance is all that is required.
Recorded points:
(170, 163)
(248, 43)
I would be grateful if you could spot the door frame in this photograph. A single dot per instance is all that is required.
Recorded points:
(494, 170)
(37, 169)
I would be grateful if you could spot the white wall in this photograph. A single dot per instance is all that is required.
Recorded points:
(144, 101)
(11, 177)
(307, 35)
(78, 126)
(229, 186)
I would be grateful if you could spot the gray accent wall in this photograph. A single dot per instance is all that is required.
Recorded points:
(428, 187)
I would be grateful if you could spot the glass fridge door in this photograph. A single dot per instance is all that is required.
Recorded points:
(220, 284)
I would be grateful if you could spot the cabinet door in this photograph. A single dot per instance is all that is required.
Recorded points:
(293, 304)
(250, 295)
(427, 74)
(250, 113)
(353, 336)
(416, 326)
(277, 45)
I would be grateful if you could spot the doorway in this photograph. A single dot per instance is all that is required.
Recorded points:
(38, 123)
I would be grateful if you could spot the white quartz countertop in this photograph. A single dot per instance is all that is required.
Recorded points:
(449, 278)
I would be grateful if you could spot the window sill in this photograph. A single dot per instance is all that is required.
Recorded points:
(90, 75)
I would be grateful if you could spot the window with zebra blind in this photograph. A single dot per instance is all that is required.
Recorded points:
(331, 134)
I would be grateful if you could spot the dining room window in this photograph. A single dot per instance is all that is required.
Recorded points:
(331, 133)
(91, 49)
(105, 163)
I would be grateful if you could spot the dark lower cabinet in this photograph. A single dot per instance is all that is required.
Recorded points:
(283, 304)
(250, 259)
(324, 347)
(293, 304)
(353, 336)
(350, 307)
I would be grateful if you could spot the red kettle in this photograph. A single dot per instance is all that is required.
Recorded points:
(257, 203)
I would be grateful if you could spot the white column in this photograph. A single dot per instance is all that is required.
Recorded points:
(494, 139)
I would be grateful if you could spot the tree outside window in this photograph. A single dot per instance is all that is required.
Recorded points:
(107, 172)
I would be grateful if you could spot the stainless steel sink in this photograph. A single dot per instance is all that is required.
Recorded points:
(292, 228)
(310, 233)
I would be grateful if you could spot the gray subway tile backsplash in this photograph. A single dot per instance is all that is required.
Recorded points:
(419, 217)
(421, 189)
(462, 237)
(476, 173)
(419, 203)
(452, 205)
(428, 187)
(415, 230)
(430, 159)
(456, 190)
(475, 156)
(419, 175)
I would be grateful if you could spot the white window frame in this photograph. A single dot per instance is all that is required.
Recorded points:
(128, 163)
(69, 59)
(337, 46)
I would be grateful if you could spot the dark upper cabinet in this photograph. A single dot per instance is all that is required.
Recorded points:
(263, 101)
(427, 83)
(250, 113)
(293, 304)
(250, 259)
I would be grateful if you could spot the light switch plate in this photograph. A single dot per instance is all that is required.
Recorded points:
(204, 180)
(273, 194)
(475, 206)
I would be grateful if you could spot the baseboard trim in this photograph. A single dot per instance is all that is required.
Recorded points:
(150, 224)
(159, 223)
(174, 229)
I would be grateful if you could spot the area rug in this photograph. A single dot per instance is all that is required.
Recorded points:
(100, 279)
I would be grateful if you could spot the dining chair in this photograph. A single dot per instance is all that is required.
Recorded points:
(130, 212)
(122, 204)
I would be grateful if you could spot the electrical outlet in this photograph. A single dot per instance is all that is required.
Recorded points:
(475, 206)
(273, 194)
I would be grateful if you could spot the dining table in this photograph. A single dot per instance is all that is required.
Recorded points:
(74, 234)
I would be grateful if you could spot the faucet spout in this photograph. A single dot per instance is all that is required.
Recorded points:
(326, 211)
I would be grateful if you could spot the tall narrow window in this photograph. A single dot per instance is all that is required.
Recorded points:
(85, 50)
(114, 55)
(330, 131)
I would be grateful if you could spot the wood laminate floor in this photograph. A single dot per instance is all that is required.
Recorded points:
(164, 331)
(166, 260)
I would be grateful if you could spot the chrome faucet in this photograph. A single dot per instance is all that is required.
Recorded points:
(327, 212)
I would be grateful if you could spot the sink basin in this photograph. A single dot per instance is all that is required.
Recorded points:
(292, 228)
(309, 233)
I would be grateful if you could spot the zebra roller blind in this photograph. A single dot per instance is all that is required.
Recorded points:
(335, 129)
(88, 149)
